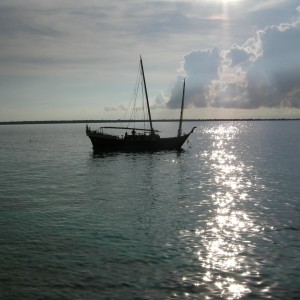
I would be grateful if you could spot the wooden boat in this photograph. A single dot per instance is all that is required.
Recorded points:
(144, 140)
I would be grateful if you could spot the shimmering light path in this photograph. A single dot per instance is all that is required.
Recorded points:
(225, 237)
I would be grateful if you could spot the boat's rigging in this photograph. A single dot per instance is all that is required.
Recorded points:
(133, 97)
(146, 94)
(133, 128)
(134, 104)
(181, 111)
(143, 103)
(149, 140)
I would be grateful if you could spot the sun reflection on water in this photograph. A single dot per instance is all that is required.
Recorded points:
(223, 239)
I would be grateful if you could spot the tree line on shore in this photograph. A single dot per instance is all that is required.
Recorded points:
(126, 121)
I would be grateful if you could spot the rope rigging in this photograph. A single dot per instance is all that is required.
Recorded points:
(133, 106)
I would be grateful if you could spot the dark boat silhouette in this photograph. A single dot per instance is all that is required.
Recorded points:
(147, 140)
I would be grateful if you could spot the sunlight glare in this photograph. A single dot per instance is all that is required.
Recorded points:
(225, 243)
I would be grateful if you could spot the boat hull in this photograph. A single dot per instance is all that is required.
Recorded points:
(137, 143)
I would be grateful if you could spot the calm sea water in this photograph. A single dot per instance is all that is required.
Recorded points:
(219, 220)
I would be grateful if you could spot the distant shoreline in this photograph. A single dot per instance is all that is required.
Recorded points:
(126, 121)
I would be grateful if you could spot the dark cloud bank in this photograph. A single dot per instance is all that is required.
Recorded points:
(263, 72)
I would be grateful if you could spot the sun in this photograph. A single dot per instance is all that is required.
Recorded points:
(223, 2)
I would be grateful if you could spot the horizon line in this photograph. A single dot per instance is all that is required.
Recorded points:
(136, 121)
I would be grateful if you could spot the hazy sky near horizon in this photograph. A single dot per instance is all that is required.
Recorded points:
(73, 59)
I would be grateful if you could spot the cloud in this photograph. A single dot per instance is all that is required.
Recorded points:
(81, 35)
(263, 72)
(201, 67)
(115, 108)
(60, 35)
(238, 55)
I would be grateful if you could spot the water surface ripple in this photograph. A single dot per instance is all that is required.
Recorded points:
(219, 220)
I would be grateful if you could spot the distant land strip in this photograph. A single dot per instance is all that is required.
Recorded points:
(126, 121)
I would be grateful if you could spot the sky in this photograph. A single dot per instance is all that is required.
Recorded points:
(77, 60)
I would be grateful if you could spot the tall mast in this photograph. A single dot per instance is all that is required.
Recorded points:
(181, 112)
(148, 107)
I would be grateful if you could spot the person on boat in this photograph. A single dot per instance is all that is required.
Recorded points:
(133, 132)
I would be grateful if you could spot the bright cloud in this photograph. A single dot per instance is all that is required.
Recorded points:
(69, 57)
(263, 72)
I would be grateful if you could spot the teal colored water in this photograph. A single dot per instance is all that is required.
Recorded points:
(219, 220)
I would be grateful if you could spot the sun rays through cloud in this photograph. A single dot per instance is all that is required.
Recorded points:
(236, 54)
